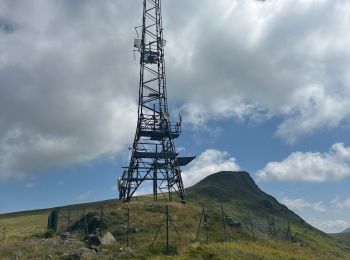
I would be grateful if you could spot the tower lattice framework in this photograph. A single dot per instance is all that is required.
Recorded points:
(153, 154)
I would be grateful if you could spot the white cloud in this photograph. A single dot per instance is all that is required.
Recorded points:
(329, 226)
(208, 162)
(301, 204)
(199, 114)
(310, 166)
(320, 109)
(341, 204)
(84, 196)
(277, 58)
(69, 82)
(29, 185)
(65, 96)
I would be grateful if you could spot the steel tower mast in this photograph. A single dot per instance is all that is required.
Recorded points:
(153, 154)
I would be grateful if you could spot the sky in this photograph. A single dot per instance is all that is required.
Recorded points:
(262, 86)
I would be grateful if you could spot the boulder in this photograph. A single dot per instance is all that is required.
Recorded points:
(92, 222)
(92, 240)
(232, 222)
(108, 239)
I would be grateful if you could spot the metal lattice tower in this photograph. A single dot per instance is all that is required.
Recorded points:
(153, 155)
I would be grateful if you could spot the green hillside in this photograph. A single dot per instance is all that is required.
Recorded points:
(343, 237)
(243, 222)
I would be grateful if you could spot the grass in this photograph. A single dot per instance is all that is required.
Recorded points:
(26, 236)
(343, 237)
(23, 226)
(26, 233)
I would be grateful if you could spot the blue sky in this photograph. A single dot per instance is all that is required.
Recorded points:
(262, 86)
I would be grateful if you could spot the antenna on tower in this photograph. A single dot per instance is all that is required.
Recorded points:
(153, 156)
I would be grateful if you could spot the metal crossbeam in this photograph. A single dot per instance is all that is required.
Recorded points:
(153, 157)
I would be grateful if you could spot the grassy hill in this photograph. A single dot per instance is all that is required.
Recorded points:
(343, 237)
(243, 222)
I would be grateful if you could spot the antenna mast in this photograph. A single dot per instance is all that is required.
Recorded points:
(153, 156)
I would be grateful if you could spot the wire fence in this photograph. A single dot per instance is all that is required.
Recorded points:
(77, 220)
(213, 224)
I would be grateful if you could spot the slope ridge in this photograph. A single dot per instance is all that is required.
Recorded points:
(238, 187)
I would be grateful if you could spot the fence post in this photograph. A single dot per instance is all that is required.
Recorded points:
(127, 225)
(274, 228)
(167, 229)
(205, 224)
(101, 222)
(167, 219)
(68, 218)
(251, 226)
(223, 221)
(4, 234)
(289, 233)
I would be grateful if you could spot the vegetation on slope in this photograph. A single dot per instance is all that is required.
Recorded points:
(343, 237)
(241, 200)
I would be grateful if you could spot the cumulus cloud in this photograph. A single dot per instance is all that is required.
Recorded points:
(199, 114)
(69, 82)
(208, 162)
(329, 226)
(310, 166)
(29, 185)
(274, 58)
(84, 196)
(341, 204)
(301, 204)
(320, 110)
(66, 94)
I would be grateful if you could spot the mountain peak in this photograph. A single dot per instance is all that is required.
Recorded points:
(230, 179)
(226, 185)
(238, 188)
(346, 230)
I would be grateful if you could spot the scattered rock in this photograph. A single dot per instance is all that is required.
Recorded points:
(95, 249)
(92, 221)
(92, 240)
(66, 242)
(108, 239)
(232, 222)
(71, 256)
(65, 235)
(84, 250)
(133, 230)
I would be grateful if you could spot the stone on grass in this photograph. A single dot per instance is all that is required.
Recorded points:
(108, 239)
(65, 235)
(71, 256)
(92, 240)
